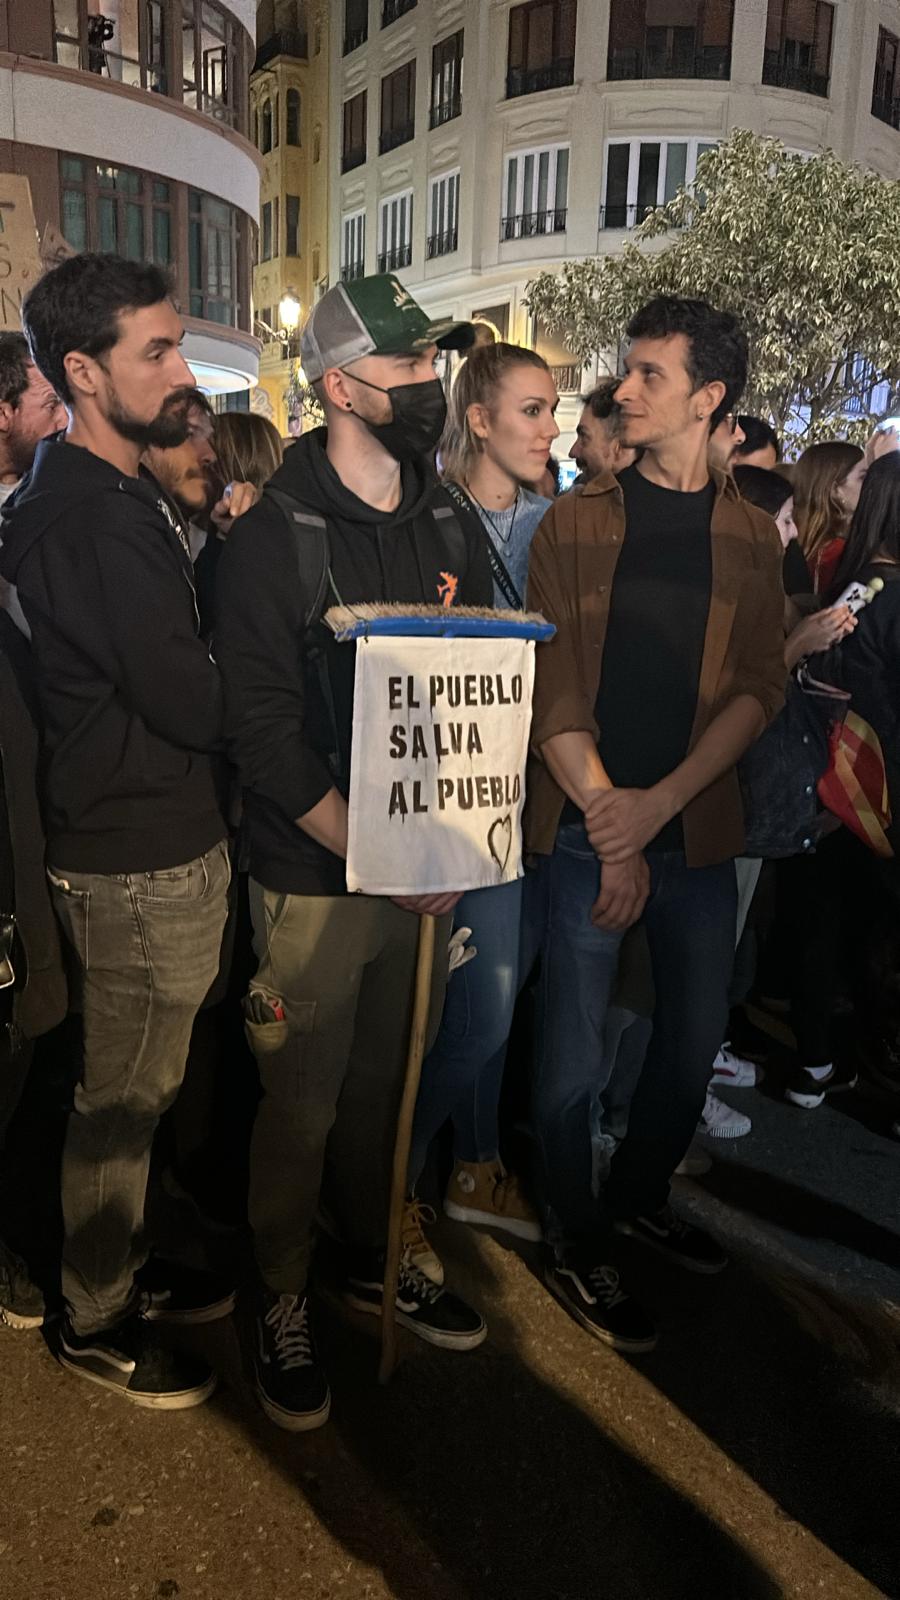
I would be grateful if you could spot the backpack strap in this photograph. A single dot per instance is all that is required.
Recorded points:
(499, 570)
(313, 547)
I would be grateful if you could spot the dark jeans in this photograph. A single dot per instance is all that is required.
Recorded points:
(690, 924)
(147, 947)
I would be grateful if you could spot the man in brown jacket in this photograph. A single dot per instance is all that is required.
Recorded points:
(665, 589)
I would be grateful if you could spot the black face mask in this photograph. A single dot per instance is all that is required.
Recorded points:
(419, 411)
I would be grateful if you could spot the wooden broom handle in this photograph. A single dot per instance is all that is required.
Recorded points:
(399, 1179)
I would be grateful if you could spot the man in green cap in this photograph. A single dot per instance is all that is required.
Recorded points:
(355, 512)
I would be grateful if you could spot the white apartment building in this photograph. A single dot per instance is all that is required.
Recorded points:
(476, 142)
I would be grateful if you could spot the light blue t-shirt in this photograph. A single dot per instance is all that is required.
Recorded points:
(511, 533)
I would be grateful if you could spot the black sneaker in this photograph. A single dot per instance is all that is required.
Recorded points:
(590, 1292)
(130, 1359)
(431, 1312)
(182, 1295)
(21, 1302)
(808, 1092)
(683, 1243)
(292, 1388)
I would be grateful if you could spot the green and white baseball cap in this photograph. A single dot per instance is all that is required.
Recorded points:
(373, 316)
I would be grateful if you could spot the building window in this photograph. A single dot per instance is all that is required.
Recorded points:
(353, 246)
(392, 9)
(536, 192)
(210, 76)
(213, 256)
(292, 225)
(353, 143)
(670, 39)
(117, 44)
(541, 53)
(641, 174)
(443, 215)
(798, 45)
(886, 84)
(276, 121)
(398, 107)
(265, 122)
(356, 24)
(395, 232)
(317, 143)
(266, 231)
(292, 128)
(116, 209)
(446, 79)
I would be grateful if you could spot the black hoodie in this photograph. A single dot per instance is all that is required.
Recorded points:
(280, 728)
(131, 702)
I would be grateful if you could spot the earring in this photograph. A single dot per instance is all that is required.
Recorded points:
(348, 405)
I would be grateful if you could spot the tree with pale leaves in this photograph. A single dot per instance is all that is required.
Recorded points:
(805, 249)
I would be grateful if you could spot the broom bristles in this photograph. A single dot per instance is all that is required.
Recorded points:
(340, 617)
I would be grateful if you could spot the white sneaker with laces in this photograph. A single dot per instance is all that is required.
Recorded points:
(719, 1121)
(734, 1071)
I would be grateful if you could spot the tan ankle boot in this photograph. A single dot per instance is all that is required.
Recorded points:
(483, 1193)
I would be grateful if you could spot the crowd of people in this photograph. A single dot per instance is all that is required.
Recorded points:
(176, 729)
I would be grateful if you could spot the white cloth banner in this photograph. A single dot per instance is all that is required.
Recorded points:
(437, 780)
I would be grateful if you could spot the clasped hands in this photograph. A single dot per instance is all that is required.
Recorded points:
(619, 823)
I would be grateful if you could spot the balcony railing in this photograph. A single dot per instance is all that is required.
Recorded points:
(623, 216)
(780, 74)
(529, 224)
(442, 244)
(567, 379)
(353, 158)
(285, 43)
(392, 137)
(886, 110)
(354, 38)
(392, 260)
(445, 111)
(392, 9)
(714, 62)
(351, 270)
(531, 80)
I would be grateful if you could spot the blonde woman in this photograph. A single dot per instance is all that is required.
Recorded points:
(500, 427)
(827, 482)
(248, 448)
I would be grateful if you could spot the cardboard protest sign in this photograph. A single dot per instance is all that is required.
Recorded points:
(437, 782)
(20, 261)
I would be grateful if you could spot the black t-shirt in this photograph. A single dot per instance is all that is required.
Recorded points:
(795, 572)
(650, 675)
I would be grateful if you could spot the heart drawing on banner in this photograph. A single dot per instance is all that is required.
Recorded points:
(500, 840)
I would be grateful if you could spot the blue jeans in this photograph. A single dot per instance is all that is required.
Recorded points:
(463, 1073)
(690, 923)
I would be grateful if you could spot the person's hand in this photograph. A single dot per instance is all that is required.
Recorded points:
(882, 442)
(620, 822)
(237, 499)
(822, 630)
(623, 894)
(428, 905)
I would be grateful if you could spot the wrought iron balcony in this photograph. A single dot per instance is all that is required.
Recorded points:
(392, 260)
(623, 216)
(392, 9)
(442, 244)
(530, 224)
(286, 43)
(351, 270)
(445, 111)
(714, 62)
(391, 138)
(532, 80)
(781, 74)
(567, 379)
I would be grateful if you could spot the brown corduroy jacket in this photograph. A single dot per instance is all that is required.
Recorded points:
(573, 563)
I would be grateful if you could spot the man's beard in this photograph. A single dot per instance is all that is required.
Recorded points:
(169, 426)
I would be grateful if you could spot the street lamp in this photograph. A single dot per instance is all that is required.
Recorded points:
(289, 313)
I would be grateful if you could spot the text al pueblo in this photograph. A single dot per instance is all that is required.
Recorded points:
(439, 737)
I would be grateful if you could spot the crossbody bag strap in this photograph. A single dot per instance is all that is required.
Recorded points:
(498, 567)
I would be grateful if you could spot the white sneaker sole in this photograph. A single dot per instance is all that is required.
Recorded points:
(817, 1097)
(293, 1421)
(729, 1080)
(435, 1336)
(728, 1130)
(520, 1229)
(626, 1347)
(180, 1400)
(21, 1323)
(193, 1316)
